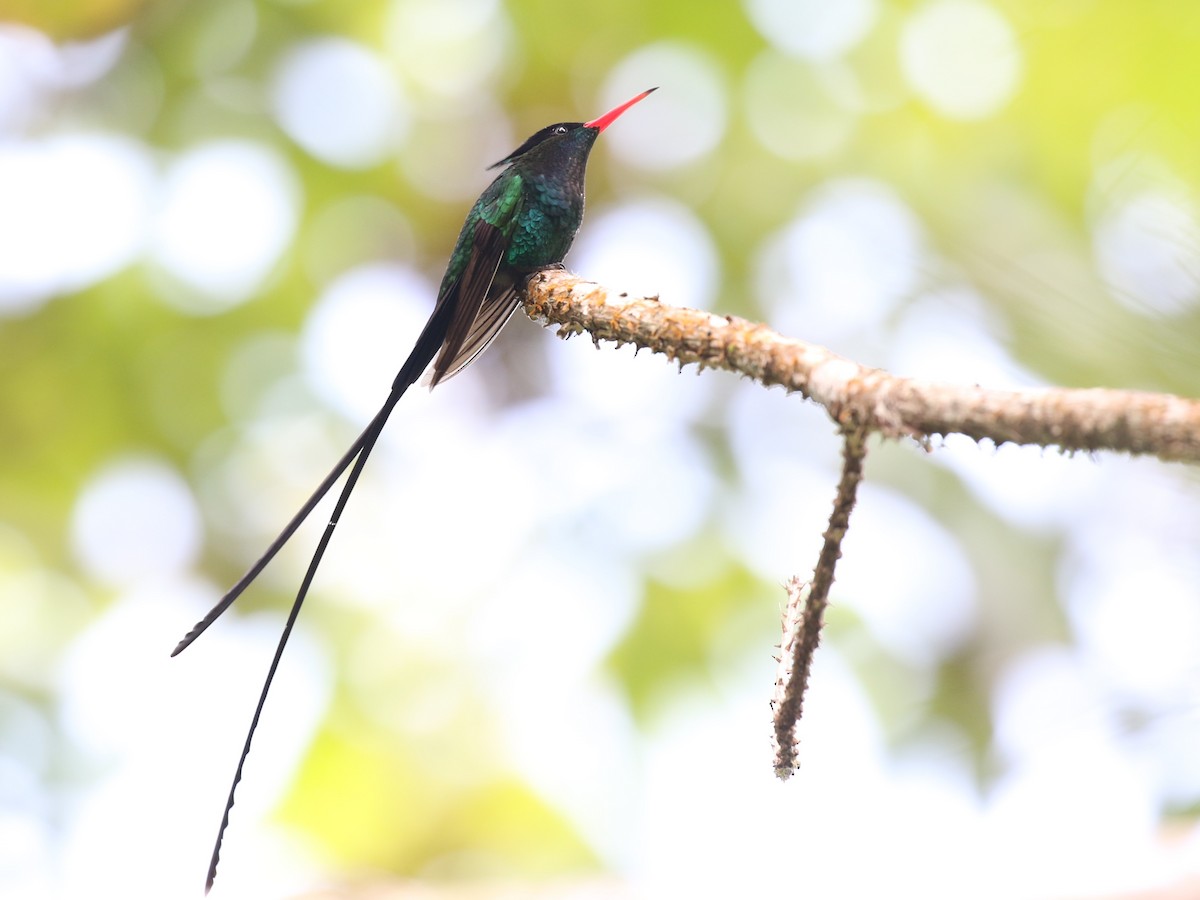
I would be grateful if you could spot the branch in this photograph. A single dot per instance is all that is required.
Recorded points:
(805, 614)
(856, 396)
(861, 400)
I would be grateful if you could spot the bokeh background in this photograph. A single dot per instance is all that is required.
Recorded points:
(539, 655)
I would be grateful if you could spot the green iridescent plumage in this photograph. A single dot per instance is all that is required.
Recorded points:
(525, 220)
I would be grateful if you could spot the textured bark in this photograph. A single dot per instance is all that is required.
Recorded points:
(804, 616)
(861, 400)
(856, 396)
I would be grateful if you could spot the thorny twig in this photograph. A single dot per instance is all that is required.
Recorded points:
(862, 400)
(805, 613)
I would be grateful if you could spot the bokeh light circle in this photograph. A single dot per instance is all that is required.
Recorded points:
(962, 57)
(135, 519)
(682, 122)
(229, 209)
(449, 47)
(360, 331)
(75, 209)
(338, 100)
(1148, 250)
(651, 246)
(849, 257)
(799, 111)
(813, 29)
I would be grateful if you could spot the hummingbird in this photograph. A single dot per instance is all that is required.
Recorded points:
(524, 221)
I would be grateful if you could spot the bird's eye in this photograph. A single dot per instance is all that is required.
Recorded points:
(560, 129)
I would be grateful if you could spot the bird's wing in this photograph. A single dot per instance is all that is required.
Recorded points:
(493, 314)
(481, 306)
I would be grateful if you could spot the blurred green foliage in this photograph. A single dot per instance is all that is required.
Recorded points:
(1007, 202)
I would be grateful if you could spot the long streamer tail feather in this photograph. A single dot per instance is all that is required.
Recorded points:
(448, 328)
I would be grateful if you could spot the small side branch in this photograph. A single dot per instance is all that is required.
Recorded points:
(1161, 425)
(805, 613)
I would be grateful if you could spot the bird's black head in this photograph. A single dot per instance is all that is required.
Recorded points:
(550, 136)
(575, 137)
